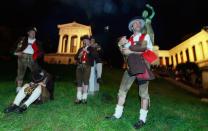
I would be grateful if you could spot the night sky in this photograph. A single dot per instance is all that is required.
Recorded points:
(175, 20)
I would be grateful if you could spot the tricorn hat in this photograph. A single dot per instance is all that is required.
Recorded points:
(137, 18)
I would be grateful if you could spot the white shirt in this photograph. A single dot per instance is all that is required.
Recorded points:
(29, 49)
(146, 38)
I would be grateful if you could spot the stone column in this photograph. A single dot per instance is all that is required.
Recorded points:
(170, 60)
(179, 58)
(174, 60)
(185, 59)
(205, 46)
(198, 49)
(204, 50)
(191, 54)
(69, 43)
(164, 61)
(60, 44)
(205, 43)
(64, 45)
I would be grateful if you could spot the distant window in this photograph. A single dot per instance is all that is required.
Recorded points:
(167, 61)
(161, 61)
(172, 60)
(187, 55)
(181, 55)
(176, 56)
(64, 44)
(69, 61)
(194, 52)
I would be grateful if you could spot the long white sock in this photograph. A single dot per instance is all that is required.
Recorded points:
(79, 93)
(84, 96)
(99, 67)
(85, 89)
(143, 115)
(20, 95)
(118, 111)
(34, 96)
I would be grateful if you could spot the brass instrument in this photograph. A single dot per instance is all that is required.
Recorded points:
(31, 87)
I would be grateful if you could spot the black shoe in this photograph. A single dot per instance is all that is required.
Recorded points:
(38, 102)
(11, 108)
(21, 109)
(77, 101)
(84, 101)
(139, 124)
(111, 118)
(99, 80)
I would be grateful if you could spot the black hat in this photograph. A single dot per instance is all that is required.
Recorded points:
(137, 18)
(32, 29)
(85, 37)
(38, 76)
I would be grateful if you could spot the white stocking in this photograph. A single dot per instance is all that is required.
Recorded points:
(79, 93)
(118, 111)
(20, 95)
(85, 89)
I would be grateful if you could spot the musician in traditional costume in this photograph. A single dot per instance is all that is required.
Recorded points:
(28, 50)
(98, 60)
(136, 49)
(40, 89)
(85, 59)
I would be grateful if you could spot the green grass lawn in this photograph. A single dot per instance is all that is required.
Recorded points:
(171, 108)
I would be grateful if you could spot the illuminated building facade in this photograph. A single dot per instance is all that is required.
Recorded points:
(194, 49)
(69, 43)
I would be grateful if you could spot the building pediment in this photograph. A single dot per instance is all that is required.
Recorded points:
(73, 25)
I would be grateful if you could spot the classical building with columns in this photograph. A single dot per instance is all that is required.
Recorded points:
(194, 49)
(69, 43)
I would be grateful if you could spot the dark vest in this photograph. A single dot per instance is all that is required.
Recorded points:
(22, 44)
